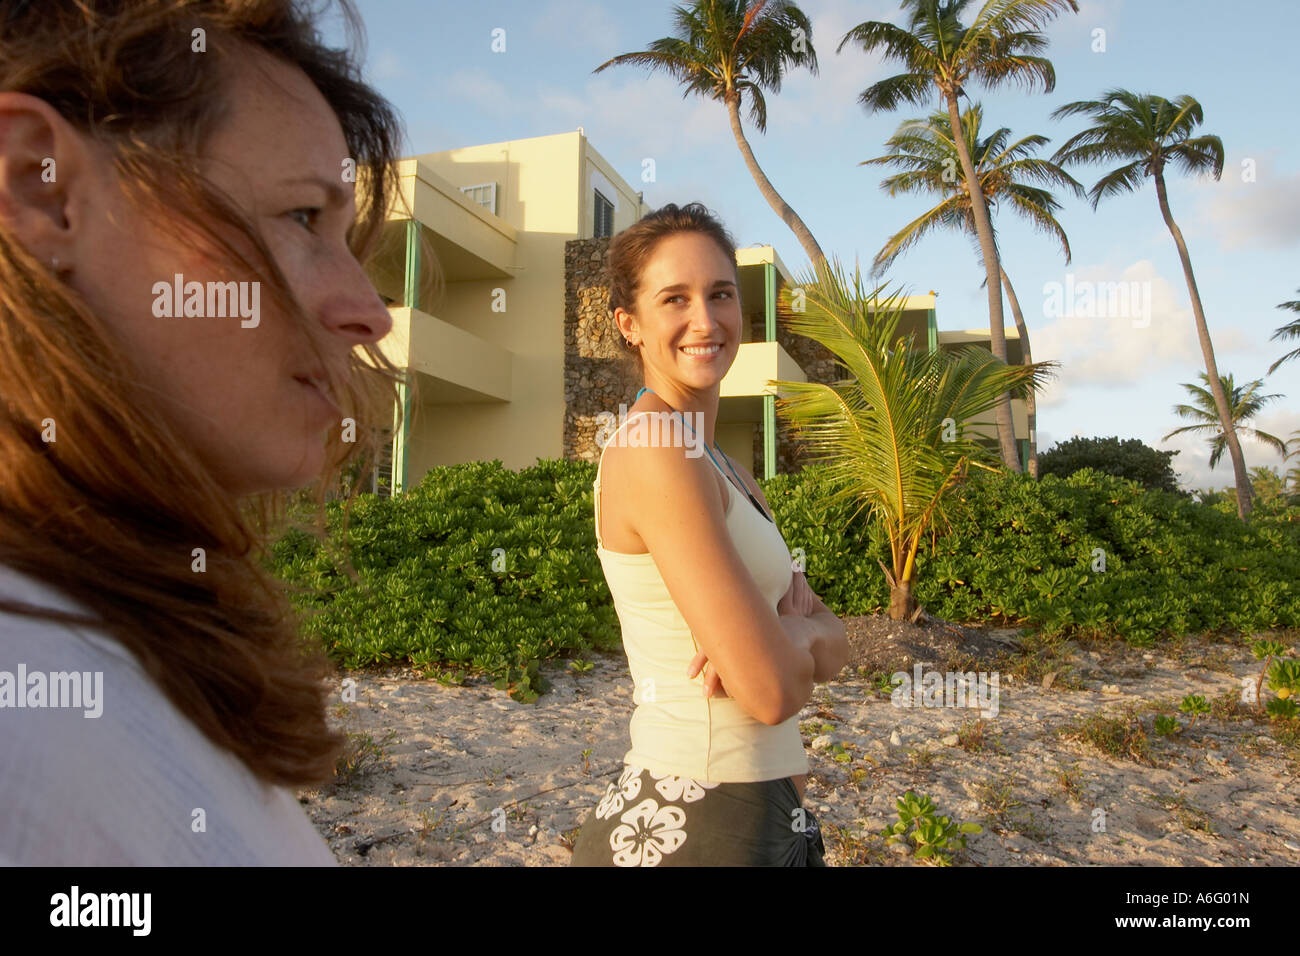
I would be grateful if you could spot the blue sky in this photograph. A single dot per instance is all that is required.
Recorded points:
(434, 61)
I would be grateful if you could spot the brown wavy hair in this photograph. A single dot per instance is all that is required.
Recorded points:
(632, 248)
(111, 517)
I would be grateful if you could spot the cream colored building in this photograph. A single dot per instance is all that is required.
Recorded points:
(487, 353)
(487, 349)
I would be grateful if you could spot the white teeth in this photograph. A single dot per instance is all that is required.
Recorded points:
(701, 350)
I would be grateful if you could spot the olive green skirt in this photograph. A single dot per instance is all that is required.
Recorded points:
(649, 820)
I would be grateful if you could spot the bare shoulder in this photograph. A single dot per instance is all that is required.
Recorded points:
(647, 481)
(645, 461)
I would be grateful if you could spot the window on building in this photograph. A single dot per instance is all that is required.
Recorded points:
(485, 194)
(604, 218)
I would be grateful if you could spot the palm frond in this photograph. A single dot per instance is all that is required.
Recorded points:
(894, 42)
(1199, 155)
(881, 430)
(675, 65)
(940, 216)
(1272, 441)
(1289, 331)
(1145, 131)
(925, 150)
(1125, 179)
(887, 95)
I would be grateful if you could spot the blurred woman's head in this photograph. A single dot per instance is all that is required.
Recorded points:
(674, 293)
(181, 306)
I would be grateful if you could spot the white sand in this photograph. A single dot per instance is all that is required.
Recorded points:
(461, 758)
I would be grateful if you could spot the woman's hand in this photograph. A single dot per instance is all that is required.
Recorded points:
(712, 682)
(810, 624)
(799, 599)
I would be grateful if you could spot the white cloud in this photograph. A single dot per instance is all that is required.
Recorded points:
(1192, 463)
(1277, 420)
(645, 115)
(1121, 342)
(831, 97)
(1263, 213)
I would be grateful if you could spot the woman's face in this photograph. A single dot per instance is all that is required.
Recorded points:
(239, 387)
(687, 319)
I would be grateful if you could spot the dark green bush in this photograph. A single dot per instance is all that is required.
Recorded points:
(1019, 551)
(1130, 458)
(1013, 551)
(428, 592)
(841, 550)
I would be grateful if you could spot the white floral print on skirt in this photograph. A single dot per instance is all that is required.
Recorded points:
(647, 819)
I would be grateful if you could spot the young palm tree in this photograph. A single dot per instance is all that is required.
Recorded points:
(941, 55)
(1289, 331)
(728, 50)
(890, 432)
(1152, 133)
(1245, 403)
(925, 150)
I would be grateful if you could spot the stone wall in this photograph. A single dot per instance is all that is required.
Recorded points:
(599, 373)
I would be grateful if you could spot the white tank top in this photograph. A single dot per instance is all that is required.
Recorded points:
(675, 729)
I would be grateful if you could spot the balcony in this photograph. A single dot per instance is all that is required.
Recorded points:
(455, 366)
(756, 364)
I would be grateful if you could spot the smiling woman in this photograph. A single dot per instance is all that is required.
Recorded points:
(723, 638)
(144, 457)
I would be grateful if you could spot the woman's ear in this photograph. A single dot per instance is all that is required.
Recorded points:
(42, 170)
(626, 325)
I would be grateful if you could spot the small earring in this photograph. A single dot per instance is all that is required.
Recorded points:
(54, 263)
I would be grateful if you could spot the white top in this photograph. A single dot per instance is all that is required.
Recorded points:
(675, 729)
(121, 788)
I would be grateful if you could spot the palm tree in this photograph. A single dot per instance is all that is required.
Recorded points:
(1292, 476)
(728, 50)
(924, 149)
(1289, 331)
(883, 430)
(1152, 133)
(941, 56)
(1245, 403)
(1269, 486)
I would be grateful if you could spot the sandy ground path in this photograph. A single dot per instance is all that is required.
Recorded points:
(467, 776)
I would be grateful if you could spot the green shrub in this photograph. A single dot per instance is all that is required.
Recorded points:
(432, 589)
(1088, 553)
(1131, 458)
(842, 552)
(937, 838)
